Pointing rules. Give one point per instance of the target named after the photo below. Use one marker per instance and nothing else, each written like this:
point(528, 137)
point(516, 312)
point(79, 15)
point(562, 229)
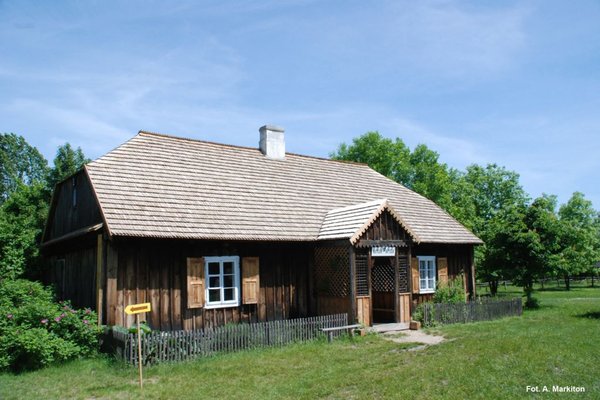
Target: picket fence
point(443, 313)
point(173, 346)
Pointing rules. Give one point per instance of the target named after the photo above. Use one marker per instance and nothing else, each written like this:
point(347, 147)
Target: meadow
point(555, 345)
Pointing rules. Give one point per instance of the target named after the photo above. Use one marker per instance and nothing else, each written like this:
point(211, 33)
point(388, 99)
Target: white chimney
point(272, 143)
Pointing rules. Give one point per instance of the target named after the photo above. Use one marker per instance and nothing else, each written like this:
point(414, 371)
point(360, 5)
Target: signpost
point(137, 309)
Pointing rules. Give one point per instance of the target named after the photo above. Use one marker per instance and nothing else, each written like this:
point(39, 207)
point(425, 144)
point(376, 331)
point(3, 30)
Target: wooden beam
point(352, 285)
point(371, 243)
point(112, 267)
point(100, 278)
point(74, 234)
point(397, 288)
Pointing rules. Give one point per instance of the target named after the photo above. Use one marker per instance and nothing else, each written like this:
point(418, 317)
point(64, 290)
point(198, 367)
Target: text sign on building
point(383, 251)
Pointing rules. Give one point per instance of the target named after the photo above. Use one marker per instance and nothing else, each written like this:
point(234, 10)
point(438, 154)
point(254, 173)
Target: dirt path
point(409, 336)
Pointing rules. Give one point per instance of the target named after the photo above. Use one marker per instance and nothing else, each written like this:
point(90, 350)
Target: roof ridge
point(235, 146)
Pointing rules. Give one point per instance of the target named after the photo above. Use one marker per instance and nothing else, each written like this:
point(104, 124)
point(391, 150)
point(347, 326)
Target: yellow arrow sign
point(137, 308)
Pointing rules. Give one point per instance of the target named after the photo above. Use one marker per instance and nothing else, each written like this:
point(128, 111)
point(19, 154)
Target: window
point(74, 185)
point(426, 274)
point(222, 281)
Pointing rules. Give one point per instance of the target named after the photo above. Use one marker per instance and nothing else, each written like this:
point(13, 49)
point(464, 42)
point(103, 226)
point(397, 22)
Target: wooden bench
point(348, 328)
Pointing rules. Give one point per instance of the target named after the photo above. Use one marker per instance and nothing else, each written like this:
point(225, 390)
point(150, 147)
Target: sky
point(516, 83)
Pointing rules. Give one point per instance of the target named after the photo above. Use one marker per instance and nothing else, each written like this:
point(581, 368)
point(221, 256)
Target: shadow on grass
point(591, 314)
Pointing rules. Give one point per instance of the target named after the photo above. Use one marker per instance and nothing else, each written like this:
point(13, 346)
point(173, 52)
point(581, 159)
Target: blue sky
point(511, 82)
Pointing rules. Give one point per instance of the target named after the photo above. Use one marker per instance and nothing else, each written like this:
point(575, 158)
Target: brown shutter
point(414, 264)
point(442, 267)
point(195, 282)
point(250, 280)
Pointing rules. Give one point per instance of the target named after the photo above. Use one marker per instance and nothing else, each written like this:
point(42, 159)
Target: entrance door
point(382, 289)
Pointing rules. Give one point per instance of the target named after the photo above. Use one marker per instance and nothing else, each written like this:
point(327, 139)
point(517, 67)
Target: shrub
point(452, 292)
point(36, 331)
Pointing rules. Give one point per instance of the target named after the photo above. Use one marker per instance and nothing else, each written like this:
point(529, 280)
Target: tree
point(20, 163)
point(388, 157)
point(492, 193)
point(579, 242)
point(22, 218)
point(420, 170)
point(66, 163)
point(429, 177)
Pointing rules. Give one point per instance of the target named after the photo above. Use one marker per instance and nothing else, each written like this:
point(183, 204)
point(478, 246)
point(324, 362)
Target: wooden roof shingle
point(162, 186)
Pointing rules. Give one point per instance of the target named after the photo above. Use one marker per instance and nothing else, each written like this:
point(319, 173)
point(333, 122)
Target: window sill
point(429, 291)
point(226, 305)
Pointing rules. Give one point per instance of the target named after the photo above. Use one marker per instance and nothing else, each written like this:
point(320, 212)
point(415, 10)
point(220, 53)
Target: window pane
point(228, 267)
point(213, 268)
point(228, 294)
point(213, 282)
point(228, 281)
point(214, 295)
point(423, 284)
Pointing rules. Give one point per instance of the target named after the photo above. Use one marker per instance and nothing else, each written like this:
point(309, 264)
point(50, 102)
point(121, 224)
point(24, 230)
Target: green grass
point(558, 344)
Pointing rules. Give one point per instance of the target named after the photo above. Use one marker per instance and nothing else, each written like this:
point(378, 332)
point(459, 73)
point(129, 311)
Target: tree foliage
point(524, 239)
point(20, 163)
point(579, 246)
point(26, 187)
point(66, 163)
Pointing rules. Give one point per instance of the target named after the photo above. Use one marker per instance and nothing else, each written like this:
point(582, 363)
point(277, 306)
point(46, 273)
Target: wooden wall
point(73, 274)
point(385, 227)
point(155, 271)
point(460, 260)
point(64, 217)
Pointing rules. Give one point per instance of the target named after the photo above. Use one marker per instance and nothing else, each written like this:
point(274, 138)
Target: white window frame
point(236, 282)
point(430, 281)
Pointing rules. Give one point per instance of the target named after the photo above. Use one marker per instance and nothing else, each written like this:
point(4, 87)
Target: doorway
point(383, 289)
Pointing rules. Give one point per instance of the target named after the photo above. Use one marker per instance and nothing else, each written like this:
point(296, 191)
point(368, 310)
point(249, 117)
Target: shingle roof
point(167, 187)
point(352, 221)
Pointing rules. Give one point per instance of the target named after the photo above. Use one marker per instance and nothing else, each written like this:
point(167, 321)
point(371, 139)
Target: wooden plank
point(112, 263)
point(165, 288)
point(176, 300)
point(129, 288)
point(154, 289)
point(250, 280)
point(100, 278)
point(442, 270)
point(352, 266)
point(414, 266)
point(397, 307)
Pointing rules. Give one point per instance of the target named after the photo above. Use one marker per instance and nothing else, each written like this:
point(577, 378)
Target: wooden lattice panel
point(382, 277)
point(332, 271)
point(362, 274)
point(403, 272)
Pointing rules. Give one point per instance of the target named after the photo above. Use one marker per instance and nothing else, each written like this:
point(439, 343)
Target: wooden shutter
point(195, 282)
point(414, 265)
point(442, 267)
point(250, 280)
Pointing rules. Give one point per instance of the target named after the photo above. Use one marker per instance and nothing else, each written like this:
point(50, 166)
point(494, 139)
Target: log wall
point(65, 216)
point(154, 271)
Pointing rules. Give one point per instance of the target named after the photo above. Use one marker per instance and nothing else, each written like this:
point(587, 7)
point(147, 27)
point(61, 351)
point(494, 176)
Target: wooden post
point(137, 319)
point(99, 278)
point(397, 305)
point(352, 285)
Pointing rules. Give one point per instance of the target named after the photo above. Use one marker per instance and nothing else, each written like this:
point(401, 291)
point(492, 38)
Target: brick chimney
point(272, 142)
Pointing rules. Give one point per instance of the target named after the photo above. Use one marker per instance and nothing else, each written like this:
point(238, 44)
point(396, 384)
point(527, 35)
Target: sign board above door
point(383, 251)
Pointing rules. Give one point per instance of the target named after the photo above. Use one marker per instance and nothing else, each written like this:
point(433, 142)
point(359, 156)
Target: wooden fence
point(442, 313)
point(170, 346)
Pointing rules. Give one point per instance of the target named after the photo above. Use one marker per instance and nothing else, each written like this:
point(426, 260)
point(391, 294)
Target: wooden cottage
point(212, 234)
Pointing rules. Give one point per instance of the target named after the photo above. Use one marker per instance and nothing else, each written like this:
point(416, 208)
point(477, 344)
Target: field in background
point(558, 344)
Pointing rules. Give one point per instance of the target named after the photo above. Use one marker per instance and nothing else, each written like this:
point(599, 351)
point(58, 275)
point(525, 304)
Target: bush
point(36, 331)
point(452, 292)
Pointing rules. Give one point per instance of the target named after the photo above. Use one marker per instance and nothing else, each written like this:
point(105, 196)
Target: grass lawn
point(558, 344)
